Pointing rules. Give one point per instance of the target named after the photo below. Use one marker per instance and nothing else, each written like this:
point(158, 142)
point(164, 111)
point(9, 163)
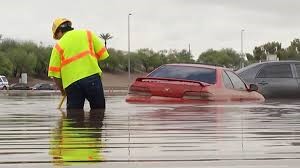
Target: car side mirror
point(253, 87)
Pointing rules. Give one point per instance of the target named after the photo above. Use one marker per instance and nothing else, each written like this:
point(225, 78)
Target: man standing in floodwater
point(74, 65)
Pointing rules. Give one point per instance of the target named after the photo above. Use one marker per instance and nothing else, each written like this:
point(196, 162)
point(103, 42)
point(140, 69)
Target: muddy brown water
point(33, 133)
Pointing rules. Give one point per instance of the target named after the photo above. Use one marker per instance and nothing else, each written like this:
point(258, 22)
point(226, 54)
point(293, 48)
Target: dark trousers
point(89, 88)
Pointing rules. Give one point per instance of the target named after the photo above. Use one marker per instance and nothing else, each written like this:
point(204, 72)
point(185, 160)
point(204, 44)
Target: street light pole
point(129, 78)
point(242, 48)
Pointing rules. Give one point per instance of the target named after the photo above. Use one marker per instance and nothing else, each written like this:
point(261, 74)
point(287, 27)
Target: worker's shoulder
point(74, 34)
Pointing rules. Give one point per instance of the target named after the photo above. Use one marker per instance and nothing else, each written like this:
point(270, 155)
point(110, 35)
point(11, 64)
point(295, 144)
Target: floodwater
point(33, 133)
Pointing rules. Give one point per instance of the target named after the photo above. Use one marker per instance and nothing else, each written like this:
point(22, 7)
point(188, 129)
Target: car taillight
point(202, 95)
point(138, 90)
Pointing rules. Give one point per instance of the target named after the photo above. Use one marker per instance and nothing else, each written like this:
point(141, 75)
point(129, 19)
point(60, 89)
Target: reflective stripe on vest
point(54, 69)
point(89, 35)
point(74, 58)
point(100, 53)
point(60, 51)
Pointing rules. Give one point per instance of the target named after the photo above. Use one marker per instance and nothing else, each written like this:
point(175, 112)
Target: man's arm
point(58, 83)
point(55, 68)
point(99, 48)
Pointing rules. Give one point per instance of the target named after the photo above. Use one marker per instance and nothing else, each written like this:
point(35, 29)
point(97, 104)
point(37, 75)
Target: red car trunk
point(167, 87)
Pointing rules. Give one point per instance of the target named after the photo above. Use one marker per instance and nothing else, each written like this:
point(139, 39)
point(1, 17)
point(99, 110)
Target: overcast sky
point(159, 24)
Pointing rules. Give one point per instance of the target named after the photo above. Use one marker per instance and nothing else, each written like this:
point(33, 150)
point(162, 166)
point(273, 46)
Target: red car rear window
point(206, 75)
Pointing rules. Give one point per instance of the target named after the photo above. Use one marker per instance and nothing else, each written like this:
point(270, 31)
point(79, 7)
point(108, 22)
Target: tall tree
point(105, 37)
point(259, 53)
point(250, 58)
point(6, 66)
point(149, 59)
point(115, 62)
point(23, 58)
point(224, 57)
point(184, 56)
point(43, 57)
point(293, 51)
point(270, 48)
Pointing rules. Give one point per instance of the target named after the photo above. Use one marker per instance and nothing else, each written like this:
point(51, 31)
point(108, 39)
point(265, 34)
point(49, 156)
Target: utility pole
point(129, 78)
point(242, 48)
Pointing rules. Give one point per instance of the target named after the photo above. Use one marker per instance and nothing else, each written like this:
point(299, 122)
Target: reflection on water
point(77, 138)
point(35, 134)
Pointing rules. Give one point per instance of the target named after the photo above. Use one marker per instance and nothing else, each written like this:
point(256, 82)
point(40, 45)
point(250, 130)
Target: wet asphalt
point(33, 133)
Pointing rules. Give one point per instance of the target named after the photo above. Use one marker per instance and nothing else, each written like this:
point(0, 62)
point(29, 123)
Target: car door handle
point(263, 83)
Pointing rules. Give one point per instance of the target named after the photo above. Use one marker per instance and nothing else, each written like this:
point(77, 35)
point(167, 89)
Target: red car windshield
point(206, 75)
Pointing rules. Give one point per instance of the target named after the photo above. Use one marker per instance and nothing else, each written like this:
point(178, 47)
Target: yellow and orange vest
point(75, 56)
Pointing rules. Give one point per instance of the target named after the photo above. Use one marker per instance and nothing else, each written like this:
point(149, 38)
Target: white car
point(3, 83)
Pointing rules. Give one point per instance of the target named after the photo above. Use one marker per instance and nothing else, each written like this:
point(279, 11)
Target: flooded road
point(33, 133)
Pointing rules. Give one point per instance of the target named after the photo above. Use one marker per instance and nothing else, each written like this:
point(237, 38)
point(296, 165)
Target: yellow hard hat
point(56, 23)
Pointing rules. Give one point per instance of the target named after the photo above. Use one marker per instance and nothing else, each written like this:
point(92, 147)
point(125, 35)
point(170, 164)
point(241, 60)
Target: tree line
point(18, 57)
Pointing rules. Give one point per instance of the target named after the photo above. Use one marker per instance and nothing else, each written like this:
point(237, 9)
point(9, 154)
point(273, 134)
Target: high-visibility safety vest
point(75, 56)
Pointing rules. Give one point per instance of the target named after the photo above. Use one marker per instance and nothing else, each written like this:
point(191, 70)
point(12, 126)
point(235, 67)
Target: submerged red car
point(191, 83)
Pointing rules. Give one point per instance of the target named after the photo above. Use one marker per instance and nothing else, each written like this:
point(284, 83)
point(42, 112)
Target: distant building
point(272, 57)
